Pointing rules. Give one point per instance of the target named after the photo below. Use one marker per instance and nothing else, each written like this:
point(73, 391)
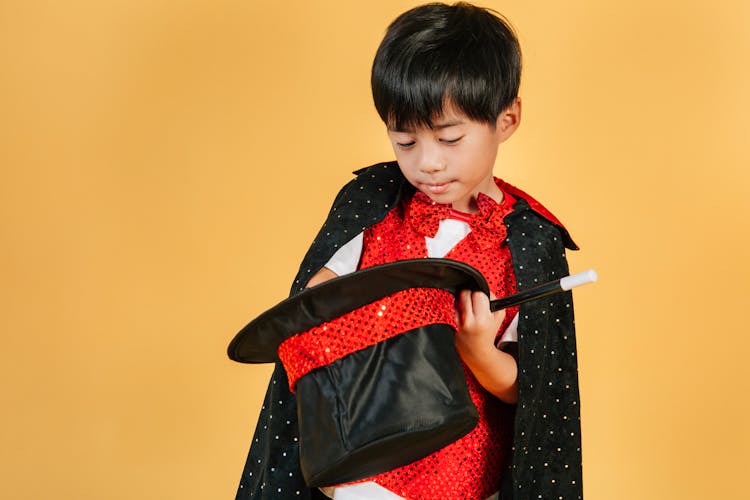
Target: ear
point(508, 120)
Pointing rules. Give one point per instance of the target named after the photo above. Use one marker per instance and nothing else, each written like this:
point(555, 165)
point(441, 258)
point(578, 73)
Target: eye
point(405, 145)
point(451, 141)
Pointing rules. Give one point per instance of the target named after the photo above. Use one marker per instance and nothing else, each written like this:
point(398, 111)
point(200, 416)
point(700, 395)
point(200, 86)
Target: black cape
point(546, 461)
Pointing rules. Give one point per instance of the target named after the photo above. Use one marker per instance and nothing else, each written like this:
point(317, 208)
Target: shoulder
point(380, 177)
point(377, 187)
point(373, 192)
point(527, 208)
point(362, 202)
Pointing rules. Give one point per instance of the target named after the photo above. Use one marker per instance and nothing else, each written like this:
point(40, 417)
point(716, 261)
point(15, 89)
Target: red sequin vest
point(471, 467)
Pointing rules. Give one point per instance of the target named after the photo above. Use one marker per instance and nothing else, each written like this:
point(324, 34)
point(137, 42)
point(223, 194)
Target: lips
point(437, 187)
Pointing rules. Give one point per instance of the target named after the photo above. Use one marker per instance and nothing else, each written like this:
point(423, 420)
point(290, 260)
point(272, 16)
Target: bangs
point(418, 99)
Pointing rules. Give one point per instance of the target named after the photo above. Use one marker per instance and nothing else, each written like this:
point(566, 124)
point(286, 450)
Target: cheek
point(403, 166)
point(405, 162)
point(477, 157)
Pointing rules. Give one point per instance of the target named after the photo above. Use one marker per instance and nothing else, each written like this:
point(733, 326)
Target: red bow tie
point(487, 226)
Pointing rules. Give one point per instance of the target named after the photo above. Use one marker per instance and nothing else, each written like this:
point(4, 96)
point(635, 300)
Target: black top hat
point(259, 340)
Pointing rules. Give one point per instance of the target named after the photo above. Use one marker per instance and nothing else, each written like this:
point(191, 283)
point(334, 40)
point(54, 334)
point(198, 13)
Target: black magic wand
point(561, 285)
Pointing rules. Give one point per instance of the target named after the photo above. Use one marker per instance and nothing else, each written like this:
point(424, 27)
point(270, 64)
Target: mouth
point(436, 187)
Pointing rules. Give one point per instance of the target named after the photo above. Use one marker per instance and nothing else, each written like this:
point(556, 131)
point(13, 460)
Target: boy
point(445, 82)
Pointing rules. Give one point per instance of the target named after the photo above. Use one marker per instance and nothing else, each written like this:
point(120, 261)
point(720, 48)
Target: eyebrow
point(435, 126)
point(451, 123)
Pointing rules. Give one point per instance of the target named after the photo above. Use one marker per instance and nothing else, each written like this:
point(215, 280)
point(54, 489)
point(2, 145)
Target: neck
point(470, 206)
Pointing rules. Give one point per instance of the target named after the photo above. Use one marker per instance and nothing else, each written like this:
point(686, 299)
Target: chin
point(443, 199)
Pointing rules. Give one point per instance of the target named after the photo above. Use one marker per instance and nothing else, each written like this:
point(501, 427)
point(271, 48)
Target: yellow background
point(166, 163)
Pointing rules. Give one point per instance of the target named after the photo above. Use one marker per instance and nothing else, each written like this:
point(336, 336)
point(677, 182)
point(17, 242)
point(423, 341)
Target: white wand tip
point(579, 279)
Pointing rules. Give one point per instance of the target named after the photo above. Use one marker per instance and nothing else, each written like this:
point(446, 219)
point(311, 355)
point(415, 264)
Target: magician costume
point(539, 437)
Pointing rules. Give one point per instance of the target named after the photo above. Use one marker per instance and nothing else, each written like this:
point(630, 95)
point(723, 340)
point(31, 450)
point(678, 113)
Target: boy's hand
point(478, 327)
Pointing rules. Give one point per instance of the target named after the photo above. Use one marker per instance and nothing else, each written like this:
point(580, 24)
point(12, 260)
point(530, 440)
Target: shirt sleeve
point(510, 334)
point(346, 259)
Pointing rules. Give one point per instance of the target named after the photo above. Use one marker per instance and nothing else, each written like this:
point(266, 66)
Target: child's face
point(452, 161)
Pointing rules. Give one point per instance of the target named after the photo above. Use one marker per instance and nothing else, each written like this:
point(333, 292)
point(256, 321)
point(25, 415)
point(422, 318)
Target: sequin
point(561, 413)
point(471, 467)
point(364, 327)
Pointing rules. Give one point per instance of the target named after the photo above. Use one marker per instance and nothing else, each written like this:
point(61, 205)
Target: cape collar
point(394, 173)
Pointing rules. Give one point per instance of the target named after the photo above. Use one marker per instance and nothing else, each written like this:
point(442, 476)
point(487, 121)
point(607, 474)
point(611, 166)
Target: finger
point(499, 315)
point(467, 311)
point(480, 303)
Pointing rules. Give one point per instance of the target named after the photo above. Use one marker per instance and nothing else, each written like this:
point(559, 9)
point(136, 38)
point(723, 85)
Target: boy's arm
point(495, 370)
point(344, 261)
point(323, 275)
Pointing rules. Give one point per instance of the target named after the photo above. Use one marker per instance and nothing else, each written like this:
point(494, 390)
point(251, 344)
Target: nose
point(431, 160)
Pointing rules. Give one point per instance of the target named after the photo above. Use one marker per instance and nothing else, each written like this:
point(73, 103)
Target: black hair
point(438, 53)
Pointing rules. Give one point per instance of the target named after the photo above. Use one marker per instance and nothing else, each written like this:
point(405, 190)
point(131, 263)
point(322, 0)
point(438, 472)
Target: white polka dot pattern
point(546, 452)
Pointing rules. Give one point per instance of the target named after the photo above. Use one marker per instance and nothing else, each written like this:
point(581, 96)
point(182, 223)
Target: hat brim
point(259, 340)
